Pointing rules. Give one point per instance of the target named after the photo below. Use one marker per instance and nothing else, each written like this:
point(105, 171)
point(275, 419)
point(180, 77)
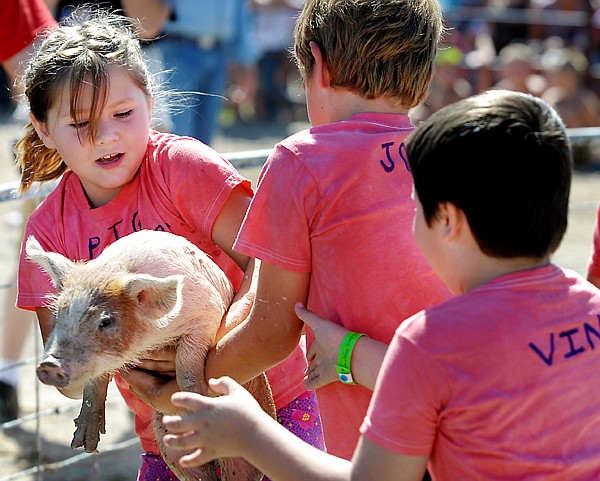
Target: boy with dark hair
point(493, 384)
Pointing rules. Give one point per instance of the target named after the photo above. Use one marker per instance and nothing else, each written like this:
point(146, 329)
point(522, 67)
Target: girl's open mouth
point(109, 159)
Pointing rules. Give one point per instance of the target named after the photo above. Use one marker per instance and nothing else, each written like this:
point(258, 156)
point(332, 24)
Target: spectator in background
point(563, 21)
point(200, 42)
point(275, 66)
point(22, 21)
point(517, 69)
point(447, 86)
point(151, 14)
point(565, 71)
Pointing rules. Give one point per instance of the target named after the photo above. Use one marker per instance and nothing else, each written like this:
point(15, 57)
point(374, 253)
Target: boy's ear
point(42, 132)
point(322, 74)
point(453, 220)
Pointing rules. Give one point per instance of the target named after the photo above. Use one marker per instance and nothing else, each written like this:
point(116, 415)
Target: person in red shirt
point(23, 20)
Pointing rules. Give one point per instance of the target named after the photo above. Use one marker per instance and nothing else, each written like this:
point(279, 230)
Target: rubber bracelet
point(344, 357)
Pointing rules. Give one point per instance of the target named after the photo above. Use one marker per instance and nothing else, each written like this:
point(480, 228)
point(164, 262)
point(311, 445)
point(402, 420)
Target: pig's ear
point(158, 298)
point(55, 265)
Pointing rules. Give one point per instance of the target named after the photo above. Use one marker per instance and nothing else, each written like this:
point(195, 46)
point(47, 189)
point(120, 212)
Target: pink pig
point(145, 291)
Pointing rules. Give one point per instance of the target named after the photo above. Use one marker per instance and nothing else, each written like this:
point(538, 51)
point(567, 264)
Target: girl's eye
point(124, 115)
point(79, 125)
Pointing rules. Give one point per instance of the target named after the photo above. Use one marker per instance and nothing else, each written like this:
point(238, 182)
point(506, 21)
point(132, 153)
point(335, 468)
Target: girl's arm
point(323, 353)
point(234, 425)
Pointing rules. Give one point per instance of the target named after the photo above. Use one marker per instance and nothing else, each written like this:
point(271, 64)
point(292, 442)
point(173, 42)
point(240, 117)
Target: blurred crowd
point(549, 48)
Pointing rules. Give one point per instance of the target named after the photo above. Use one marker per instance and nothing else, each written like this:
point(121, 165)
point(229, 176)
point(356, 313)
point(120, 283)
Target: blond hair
point(375, 48)
point(78, 52)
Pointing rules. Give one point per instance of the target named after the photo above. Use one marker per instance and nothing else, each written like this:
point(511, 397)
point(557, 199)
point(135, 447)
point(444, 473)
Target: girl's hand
point(218, 427)
point(323, 352)
point(153, 380)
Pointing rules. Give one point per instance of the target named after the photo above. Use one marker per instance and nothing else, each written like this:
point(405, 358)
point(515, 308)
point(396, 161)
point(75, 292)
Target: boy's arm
point(269, 334)
point(367, 355)
point(234, 425)
point(371, 461)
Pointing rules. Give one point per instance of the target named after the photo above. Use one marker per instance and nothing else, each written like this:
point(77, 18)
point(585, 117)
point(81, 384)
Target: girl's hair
point(375, 48)
point(80, 51)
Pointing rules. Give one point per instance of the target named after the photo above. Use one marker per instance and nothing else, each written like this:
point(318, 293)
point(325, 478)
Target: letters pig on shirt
point(145, 291)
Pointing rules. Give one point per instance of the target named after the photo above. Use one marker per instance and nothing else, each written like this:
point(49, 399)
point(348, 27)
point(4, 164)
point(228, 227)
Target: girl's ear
point(321, 69)
point(42, 132)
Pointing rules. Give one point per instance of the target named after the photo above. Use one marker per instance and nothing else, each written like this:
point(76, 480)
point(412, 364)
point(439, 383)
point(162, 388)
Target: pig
point(145, 291)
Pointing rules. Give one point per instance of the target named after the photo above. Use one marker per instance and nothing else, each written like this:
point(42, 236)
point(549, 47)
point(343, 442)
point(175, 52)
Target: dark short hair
point(503, 158)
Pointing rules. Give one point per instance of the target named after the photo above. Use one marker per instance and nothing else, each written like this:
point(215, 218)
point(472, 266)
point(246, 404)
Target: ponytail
point(37, 162)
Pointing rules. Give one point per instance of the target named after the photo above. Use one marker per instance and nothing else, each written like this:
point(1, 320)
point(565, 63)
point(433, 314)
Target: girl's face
point(106, 165)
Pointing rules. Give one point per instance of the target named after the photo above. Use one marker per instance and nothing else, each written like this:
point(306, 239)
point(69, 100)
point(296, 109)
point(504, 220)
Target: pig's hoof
point(85, 436)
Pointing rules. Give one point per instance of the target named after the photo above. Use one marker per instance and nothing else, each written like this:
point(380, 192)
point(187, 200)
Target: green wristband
point(344, 357)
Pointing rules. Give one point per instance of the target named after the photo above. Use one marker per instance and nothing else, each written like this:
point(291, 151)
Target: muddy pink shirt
point(180, 187)
point(497, 384)
point(335, 201)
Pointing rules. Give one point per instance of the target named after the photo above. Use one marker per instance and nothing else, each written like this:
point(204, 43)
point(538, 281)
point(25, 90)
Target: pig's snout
point(52, 371)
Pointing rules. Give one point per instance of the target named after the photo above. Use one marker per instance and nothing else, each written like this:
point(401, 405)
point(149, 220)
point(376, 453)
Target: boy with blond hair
point(331, 219)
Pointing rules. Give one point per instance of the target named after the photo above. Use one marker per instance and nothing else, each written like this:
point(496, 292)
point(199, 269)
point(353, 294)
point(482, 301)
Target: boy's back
point(345, 193)
point(504, 374)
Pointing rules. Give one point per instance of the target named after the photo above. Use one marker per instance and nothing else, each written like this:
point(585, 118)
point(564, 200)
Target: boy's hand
point(218, 427)
point(323, 352)
point(153, 380)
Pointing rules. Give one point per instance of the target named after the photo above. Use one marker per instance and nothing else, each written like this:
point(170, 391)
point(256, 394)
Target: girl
point(90, 97)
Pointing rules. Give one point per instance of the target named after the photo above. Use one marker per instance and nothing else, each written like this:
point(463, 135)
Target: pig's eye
point(105, 320)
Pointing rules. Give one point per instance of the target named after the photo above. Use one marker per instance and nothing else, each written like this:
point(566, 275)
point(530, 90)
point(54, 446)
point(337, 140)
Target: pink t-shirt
point(499, 383)
point(180, 187)
point(335, 201)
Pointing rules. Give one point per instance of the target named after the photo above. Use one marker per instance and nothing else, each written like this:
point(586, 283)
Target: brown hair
point(373, 47)
point(80, 53)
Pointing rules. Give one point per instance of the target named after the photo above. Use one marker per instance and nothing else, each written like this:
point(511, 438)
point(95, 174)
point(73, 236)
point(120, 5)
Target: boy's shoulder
point(354, 132)
point(519, 296)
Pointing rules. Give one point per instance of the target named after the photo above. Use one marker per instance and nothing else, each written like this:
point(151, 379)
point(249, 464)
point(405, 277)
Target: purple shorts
point(301, 417)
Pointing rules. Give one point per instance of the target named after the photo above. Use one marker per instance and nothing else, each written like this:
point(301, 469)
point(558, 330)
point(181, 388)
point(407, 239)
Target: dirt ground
point(19, 445)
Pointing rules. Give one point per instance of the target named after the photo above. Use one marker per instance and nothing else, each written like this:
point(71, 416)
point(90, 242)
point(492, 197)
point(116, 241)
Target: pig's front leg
point(91, 420)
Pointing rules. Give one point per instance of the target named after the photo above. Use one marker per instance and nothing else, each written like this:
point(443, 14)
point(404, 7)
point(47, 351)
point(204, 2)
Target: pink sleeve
point(33, 283)
point(22, 20)
point(200, 182)
point(594, 261)
point(277, 226)
point(410, 391)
